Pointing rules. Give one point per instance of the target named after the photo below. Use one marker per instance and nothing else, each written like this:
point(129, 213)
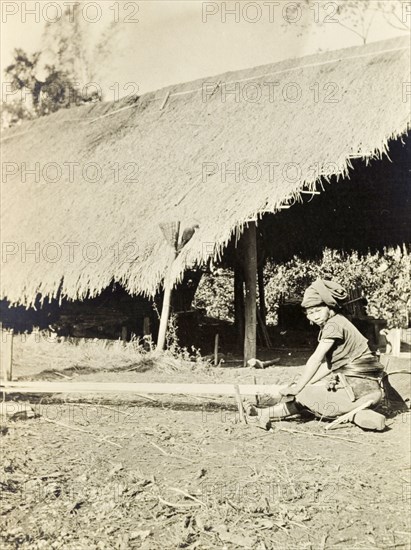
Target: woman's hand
point(290, 390)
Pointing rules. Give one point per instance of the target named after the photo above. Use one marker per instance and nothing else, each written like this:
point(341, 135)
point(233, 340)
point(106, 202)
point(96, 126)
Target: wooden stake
point(7, 353)
point(257, 400)
point(216, 350)
point(250, 277)
point(243, 418)
point(396, 341)
point(124, 334)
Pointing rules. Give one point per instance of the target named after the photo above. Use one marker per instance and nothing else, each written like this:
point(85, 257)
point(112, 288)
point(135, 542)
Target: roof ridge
point(169, 94)
point(166, 90)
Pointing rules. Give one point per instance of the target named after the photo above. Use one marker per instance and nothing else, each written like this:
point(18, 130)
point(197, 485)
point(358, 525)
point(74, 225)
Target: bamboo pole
point(139, 388)
point(250, 277)
point(171, 234)
point(165, 310)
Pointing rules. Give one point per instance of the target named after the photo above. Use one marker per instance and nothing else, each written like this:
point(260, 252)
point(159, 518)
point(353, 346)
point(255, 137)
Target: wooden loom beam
point(139, 387)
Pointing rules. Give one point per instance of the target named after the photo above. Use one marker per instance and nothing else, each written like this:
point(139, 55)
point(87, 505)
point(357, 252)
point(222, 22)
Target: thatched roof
point(170, 146)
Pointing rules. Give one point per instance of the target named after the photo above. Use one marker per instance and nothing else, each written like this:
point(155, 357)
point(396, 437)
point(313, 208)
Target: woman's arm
point(311, 368)
point(322, 371)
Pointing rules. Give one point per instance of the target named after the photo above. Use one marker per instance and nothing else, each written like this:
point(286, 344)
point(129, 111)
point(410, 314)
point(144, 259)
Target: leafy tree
point(37, 97)
point(66, 45)
point(53, 78)
point(14, 112)
point(384, 279)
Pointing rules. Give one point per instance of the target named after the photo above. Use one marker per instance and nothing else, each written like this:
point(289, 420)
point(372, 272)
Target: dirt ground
point(124, 472)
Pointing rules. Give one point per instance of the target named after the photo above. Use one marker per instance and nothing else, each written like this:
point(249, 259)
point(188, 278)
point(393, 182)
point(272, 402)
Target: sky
point(155, 43)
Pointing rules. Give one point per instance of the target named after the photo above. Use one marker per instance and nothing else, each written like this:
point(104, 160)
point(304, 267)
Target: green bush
point(215, 294)
point(384, 278)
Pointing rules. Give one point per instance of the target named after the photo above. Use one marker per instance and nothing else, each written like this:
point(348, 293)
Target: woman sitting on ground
point(340, 375)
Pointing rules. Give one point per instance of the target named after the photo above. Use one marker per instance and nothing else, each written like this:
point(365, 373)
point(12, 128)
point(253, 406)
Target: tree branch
point(404, 26)
point(363, 38)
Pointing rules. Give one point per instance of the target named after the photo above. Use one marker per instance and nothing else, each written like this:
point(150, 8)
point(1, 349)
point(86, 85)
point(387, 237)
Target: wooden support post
point(265, 338)
point(146, 326)
point(239, 302)
point(216, 350)
point(10, 371)
point(7, 353)
point(250, 277)
point(124, 334)
point(261, 292)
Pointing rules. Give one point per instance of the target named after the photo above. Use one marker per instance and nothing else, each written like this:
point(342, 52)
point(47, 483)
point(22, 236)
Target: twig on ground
point(236, 508)
point(290, 481)
point(114, 410)
point(281, 527)
point(175, 505)
point(316, 458)
point(62, 375)
point(319, 435)
point(296, 523)
point(165, 453)
point(193, 396)
point(80, 430)
point(106, 440)
point(147, 397)
point(323, 541)
point(187, 495)
point(210, 398)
